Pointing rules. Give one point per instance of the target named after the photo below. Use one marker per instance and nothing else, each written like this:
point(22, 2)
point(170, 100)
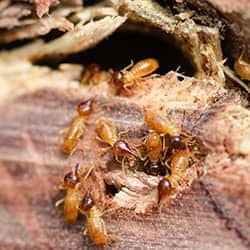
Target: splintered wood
point(133, 159)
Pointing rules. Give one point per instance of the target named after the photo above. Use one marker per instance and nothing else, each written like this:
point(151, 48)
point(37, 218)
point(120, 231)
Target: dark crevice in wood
point(117, 51)
point(111, 190)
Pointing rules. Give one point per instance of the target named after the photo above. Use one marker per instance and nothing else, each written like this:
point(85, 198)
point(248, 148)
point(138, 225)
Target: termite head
point(86, 107)
point(93, 68)
point(122, 148)
point(87, 202)
point(70, 180)
point(164, 189)
point(176, 142)
point(117, 78)
point(90, 72)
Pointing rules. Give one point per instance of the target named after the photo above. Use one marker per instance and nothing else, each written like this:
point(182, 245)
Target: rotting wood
point(29, 133)
point(213, 214)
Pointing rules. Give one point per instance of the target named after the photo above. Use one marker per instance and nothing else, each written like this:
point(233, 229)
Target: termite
point(94, 75)
point(71, 200)
point(132, 73)
point(77, 128)
point(74, 134)
point(179, 164)
point(153, 158)
point(108, 133)
point(160, 124)
point(153, 146)
point(90, 71)
point(96, 227)
point(163, 127)
point(242, 68)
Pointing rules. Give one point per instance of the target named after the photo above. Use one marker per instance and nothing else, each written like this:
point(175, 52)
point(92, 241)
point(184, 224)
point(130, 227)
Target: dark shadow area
point(111, 190)
point(90, 2)
point(53, 34)
point(118, 50)
point(14, 44)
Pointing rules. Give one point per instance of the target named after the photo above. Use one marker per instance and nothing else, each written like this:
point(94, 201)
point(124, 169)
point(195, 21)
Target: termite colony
point(165, 151)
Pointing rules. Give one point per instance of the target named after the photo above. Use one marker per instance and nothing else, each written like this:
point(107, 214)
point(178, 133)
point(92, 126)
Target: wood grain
point(213, 214)
point(32, 167)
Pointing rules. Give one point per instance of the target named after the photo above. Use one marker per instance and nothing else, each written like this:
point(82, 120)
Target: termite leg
point(138, 153)
point(146, 162)
point(117, 158)
point(105, 149)
point(129, 66)
point(163, 143)
point(167, 165)
point(89, 172)
point(99, 139)
point(150, 76)
point(162, 159)
point(85, 232)
point(59, 202)
point(123, 165)
point(123, 132)
point(61, 186)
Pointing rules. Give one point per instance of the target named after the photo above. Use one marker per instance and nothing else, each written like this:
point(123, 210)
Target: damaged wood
point(209, 210)
point(43, 26)
point(42, 6)
point(199, 43)
point(35, 128)
point(82, 37)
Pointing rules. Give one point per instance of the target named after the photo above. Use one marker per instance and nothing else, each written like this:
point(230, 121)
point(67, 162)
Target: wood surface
point(32, 167)
point(213, 214)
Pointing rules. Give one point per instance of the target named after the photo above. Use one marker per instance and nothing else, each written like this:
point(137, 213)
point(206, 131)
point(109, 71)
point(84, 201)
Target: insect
point(177, 142)
point(90, 71)
point(128, 78)
point(178, 166)
point(242, 68)
point(160, 124)
point(94, 75)
point(85, 108)
point(71, 200)
point(77, 128)
point(74, 134)
point(96, 227)
point(108, 133)
point(153, 145)
point(177, 139)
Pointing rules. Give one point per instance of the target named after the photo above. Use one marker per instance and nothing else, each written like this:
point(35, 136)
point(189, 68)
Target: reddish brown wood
point(32, 167)
point(213, 214)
